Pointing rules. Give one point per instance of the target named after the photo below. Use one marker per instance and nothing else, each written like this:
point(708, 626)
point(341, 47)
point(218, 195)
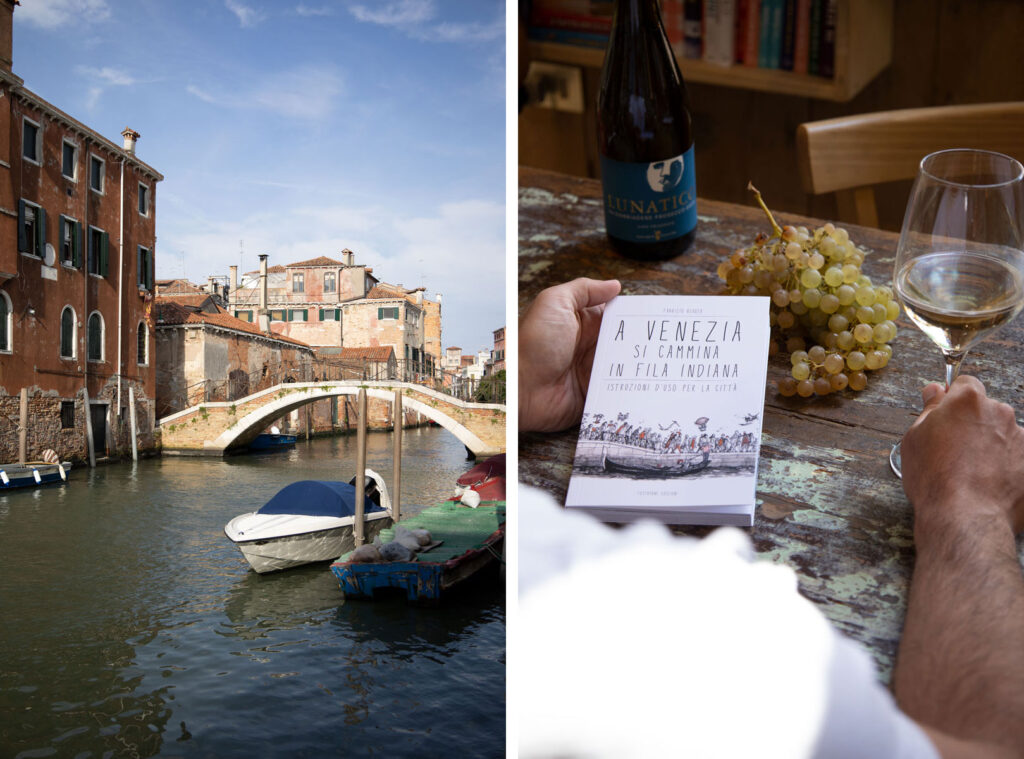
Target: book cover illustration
point(673, 414)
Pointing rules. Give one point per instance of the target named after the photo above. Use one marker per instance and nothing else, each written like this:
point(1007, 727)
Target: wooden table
point(828, 504)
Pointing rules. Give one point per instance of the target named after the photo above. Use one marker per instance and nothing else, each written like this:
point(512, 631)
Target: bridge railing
point(239, 384)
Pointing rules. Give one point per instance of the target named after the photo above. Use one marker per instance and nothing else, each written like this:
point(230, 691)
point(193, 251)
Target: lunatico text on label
point(649, 202)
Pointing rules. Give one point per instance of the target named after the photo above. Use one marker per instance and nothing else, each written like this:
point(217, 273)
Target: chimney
point(348, 257)
point(211, 286)
point(6, 33)
point(130, 138)
point(419, 298)
point(264, 317)
point(234, 280)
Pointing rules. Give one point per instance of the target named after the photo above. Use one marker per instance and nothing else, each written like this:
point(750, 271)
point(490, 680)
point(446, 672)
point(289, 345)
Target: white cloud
point(457, 250)
point(410, 17)
point(57, 13)
point(305, 93)
point(305, 10)
point(247, 16)
point(396, 13)
point(100, 79)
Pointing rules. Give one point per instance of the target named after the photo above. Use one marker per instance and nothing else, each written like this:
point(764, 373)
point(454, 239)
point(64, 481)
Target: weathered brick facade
point(76, 256)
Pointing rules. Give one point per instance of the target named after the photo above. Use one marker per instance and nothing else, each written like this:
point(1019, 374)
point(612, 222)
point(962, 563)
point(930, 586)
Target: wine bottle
point(644, 139)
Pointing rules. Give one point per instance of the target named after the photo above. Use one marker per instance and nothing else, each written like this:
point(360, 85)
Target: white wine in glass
point(960, 260)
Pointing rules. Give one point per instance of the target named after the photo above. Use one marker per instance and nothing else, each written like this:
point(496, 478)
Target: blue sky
point(301, 128)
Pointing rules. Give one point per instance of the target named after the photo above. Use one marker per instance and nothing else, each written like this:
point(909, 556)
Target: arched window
point(68, 333)
point(142, 348)
point(94, 337)
point(6, 323)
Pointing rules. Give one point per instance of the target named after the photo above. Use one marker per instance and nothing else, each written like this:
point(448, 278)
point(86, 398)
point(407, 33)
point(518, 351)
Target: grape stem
point(760, 201)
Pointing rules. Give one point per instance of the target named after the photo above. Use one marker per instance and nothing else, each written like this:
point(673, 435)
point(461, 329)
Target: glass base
point(895, 461)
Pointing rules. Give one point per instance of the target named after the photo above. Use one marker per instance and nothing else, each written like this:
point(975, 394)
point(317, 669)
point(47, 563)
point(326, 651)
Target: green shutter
point(150, 269)
point(140, 266)
point(76, 244)
point(104, 253)
point(40, 232)
point(337, 315)
point(321, 314)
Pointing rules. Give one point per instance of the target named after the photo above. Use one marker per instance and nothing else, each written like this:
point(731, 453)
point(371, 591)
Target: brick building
point(77, 236)
point(331, 304)
point(498, 354)
point(204, 356)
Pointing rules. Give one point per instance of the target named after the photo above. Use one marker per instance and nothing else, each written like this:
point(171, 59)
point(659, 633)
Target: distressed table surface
point(827, 503)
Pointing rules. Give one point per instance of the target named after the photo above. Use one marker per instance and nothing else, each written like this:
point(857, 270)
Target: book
point(801, 43)
point(788, 35)
point(827, 51)
point(719, 31)
point(814, 38)
point(770, 45)
point(671, 428)
point(672, 18)
point(748, 32)
point(693, 44)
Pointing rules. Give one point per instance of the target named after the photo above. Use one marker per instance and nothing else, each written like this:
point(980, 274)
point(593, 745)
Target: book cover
point(764, 29)
point(719, 31)
point(788, 35)
point(801, 42)
point(775, 34)
point(671, 429)
point(672, 18)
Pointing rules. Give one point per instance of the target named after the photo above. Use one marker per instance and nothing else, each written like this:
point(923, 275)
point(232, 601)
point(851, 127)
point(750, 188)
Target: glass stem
point(953, 361)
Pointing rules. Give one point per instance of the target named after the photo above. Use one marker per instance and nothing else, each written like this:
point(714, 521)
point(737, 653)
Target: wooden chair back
point(849, 155)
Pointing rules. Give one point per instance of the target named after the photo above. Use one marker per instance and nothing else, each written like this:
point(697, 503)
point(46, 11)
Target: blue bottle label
point(649, 202)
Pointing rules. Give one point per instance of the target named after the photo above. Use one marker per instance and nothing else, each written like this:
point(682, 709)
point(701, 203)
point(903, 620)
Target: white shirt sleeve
point(635, 642)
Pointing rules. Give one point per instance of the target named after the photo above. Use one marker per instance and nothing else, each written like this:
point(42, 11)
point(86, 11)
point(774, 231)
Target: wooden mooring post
point(131, 416)
point(23, 427)
point(359, 529)
point(88, 430)
point(396, 495)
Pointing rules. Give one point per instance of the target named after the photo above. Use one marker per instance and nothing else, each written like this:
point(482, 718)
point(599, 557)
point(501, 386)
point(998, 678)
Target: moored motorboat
point(33, 474)
point(309, 521)
point(272, 441)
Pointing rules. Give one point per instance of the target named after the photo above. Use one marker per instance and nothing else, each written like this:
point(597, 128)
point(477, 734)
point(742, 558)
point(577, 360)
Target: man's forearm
point(960, 666)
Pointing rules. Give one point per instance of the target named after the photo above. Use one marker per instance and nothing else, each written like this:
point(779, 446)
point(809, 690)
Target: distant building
point(498, 354)
point(452, 360)
point(77, 255)
point(328, 303)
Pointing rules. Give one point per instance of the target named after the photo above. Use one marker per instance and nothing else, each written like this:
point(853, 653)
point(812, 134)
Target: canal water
point(130, 626)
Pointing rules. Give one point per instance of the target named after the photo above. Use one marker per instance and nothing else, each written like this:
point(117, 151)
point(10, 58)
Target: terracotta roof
point(172, 313)
point(457, 348)
point(386, 291)
point(368, 353)
point(189, 300)
point(318, 261)
point(278, 269)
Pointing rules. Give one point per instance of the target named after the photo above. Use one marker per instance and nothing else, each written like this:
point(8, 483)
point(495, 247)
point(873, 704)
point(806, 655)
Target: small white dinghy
point(309, 521)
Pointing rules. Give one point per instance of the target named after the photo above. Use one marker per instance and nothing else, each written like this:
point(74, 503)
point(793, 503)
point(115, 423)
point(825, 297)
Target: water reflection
point(133, 627)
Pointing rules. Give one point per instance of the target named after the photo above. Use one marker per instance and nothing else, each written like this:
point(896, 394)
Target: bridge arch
point(215, 428)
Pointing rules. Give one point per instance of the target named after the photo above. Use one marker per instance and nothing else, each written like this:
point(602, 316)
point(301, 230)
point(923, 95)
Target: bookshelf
point(863, 50)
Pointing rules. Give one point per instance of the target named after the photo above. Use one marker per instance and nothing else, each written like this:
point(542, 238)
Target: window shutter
point(150, 269)
point(305, 314)
point(140, 266)
point(104, 253)
point(76, 244)
point(337, 315)
point(40, 232)
point(321, 314)
point(22, 242)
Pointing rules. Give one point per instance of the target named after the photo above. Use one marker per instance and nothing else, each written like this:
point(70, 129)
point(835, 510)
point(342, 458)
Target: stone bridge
point(215, 428)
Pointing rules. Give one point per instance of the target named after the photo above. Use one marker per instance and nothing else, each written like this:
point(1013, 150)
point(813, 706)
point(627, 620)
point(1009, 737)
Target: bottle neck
point(637, 14)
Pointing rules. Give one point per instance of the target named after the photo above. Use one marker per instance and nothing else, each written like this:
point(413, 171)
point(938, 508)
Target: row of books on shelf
point(788, 35)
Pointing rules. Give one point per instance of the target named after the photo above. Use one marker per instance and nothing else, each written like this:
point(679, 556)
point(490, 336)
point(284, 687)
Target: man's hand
point(557, 336)
point(963, 459)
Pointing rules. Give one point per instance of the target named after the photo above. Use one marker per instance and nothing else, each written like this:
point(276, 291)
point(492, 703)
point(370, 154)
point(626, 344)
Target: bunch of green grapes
point(835, 323)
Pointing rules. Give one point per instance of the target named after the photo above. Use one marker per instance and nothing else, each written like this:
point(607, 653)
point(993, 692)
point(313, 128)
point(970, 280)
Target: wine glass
point(960, 260)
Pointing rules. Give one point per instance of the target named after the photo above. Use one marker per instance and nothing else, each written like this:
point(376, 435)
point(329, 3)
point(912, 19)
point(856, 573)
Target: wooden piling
point(88, 430)
point(23, 427)
point(396, 480)
point(358, 529)
point(131, 416)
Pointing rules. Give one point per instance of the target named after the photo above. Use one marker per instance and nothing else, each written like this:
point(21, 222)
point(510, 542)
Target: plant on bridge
point(491, 389)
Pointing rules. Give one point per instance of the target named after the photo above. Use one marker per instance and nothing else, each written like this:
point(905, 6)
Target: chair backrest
point(848, 155)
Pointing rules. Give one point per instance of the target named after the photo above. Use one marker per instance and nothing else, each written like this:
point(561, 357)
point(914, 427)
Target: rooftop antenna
point(183, 276)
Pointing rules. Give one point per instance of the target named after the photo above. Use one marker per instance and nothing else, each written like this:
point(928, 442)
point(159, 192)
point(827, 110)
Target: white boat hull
point(284, 552)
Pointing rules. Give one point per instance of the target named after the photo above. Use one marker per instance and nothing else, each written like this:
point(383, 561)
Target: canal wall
point(57, 422)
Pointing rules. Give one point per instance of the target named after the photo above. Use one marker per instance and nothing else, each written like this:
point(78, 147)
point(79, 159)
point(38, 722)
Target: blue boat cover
point(318, 498)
